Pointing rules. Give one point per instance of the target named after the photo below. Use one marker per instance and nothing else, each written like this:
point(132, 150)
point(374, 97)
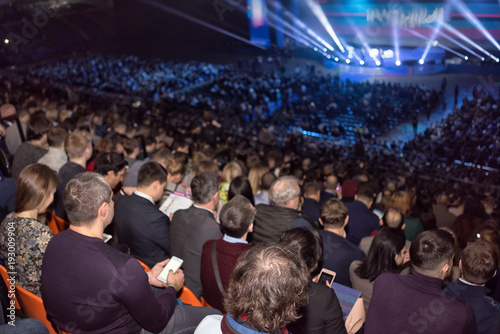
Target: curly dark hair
point(268, 285)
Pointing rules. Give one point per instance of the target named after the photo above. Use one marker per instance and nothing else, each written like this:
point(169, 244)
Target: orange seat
point(146, 267)
point(187, 296)
point(32, 306)
point(5, 276)
point(55, 223)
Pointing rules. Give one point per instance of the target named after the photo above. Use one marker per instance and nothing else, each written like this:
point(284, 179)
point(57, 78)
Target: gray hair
point(283, 189)
point(83, 196)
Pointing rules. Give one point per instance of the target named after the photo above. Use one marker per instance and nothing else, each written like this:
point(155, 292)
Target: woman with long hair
point(386, 254)
point(36, 186)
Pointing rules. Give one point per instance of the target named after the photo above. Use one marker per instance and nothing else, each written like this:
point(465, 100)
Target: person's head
point(56, 136)
point(442, 199)
point(431, 253)
point(428, 221)
point(254, 176)
point(78, 144)
point(113, 167)
point(311, 190)
point(489, 232)
point(490, 204)
point(36, 185)
point(152, 179)
point(175, 170)
point(365, 193)
point(236, 217)
point(386, 253)
point(241, 186)
point(331, 182)
point(267, 180)
point(479, 262)
point(208, 166)
point(205, 188)
point(307, 242)
point(130, 147)
point(268, 285)
point(401, 202)
point(285, 192)
point(393, 218)
point(333, 214)
point(7, 110)
point(87, 198)
point(231, 171)
point(198, 157)
point(37, 127)
point(161, 156)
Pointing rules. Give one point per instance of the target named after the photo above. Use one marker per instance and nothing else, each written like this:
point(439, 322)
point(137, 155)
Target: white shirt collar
point(145, 196)
point(234, 240)
point(468, 283)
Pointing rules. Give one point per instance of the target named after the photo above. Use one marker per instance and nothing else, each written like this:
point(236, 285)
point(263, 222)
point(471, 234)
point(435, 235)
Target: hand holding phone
point(326, 277)
point(174, 264)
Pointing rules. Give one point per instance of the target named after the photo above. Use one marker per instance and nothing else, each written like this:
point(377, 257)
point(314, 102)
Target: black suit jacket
point(143, 228)
point(191, 228)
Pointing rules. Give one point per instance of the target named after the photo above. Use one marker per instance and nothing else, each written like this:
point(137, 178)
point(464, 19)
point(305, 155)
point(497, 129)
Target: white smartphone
point(174, 264)
point(326, 276)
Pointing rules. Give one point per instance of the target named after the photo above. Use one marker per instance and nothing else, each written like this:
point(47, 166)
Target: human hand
point(2, 131)
point(154, 272)
point(175, 279)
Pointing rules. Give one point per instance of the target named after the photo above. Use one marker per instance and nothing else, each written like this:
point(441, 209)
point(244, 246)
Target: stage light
point(336, 58)
point(440, 45)
point(421, 61)
point(459, 44)
point(466, 58)
point(473, 19)
point(374, 53)
point(320, 14)
point(497, 60)
point(361, 62)
point(315, 49)
point(325, 49)
point(348, 61)
point(395, 33)
point(329, 57)
point(467, 39)
point(6, 41)
point(398, 63)
point(482, 58)
point(435, 43)
point(388, 54)
point(378, 63)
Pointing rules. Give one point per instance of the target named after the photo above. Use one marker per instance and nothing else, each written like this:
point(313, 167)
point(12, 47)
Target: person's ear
point(346, 221)
point(321, 222)
point(445, 270)
point(381, 222)
point(250, 228)
point(403, 227)
point(460, 264)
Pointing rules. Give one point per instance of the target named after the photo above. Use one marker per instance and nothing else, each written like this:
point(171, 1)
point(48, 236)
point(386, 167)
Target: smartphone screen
point(325, 277)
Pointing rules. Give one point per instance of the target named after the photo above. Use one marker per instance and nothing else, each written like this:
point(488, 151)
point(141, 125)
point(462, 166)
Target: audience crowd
point(269, 207)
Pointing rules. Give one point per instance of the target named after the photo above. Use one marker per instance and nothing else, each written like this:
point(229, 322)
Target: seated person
point(323, 313)
point(36, 186)
point(236, 220)
point(267, 288)
point(139, 225)
point(386, 254)
point(90, 287)
point(338, 252)
point(477, 266)
point(415, 303)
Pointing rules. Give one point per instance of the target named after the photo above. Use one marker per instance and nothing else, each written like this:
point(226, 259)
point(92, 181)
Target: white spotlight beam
point(439, 45)
point(395, 33)
point(467, 39)
point(431, 41)
point(200, 22)
point(473, 19)
point(320, 14)
point(460, 44)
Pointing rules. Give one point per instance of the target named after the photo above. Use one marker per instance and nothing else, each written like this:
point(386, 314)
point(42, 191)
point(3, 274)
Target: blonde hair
point(401, 201)
point(231, 171)
point(254, 176)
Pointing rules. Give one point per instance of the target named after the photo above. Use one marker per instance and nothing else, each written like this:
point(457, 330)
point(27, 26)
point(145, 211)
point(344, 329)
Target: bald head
point(331, 182)
point(7, 110)
point(442, 199)
point(393, 218)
